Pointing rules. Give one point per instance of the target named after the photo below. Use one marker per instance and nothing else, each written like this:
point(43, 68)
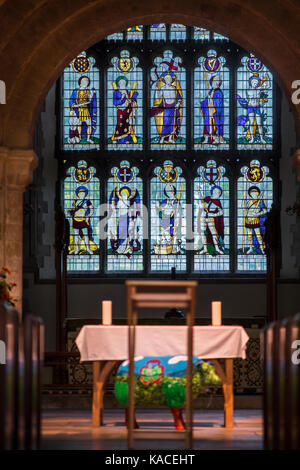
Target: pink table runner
point(99, 343)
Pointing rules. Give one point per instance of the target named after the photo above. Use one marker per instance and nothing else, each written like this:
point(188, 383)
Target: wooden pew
point(9, 376)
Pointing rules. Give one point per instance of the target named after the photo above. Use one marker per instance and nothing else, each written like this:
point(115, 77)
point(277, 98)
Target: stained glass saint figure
point(255, 197)
point(168, 103)
point(211, 222)
point(81, 104)
point(124, 103)
point(125, 223)
point(254, 97)
point(211, 103)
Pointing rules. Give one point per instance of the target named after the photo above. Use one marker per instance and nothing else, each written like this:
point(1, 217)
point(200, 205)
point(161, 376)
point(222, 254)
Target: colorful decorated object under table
point(162, 381)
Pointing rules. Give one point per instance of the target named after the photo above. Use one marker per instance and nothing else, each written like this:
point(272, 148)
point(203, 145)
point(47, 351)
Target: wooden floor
point(71, 429)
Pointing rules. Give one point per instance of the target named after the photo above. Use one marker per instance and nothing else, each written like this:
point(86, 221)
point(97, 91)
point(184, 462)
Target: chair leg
point(136, 426)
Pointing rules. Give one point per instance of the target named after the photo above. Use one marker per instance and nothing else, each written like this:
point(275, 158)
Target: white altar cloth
point(100, 343)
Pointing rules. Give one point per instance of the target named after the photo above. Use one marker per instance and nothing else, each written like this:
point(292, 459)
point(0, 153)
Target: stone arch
point(40, 38)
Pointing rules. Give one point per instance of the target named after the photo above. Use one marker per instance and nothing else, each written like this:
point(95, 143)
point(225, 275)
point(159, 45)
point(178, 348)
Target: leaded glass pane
point(125, 104)
point(177, 32)
point(81, 104)
point(168, 219)
point(201, 34)
point(254, 105)
point(81, 206)
point(219, 37)
point(211, 219)
point(254, 200)
point(135, 33)
point(168, 98)
point(211, 103)
point(158, 32)
point(125, 219)
point(115, 37)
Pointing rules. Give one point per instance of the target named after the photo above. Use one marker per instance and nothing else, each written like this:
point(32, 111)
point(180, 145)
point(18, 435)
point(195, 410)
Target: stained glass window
point(135, 33)
point(211, 103)
point(219, 37)
point(81, 206)
point(201, 34)
point(125, 219)
point(81, 104)
point(168, 218)
point(115, 37)
point(211, 219)
point(177, 32)
point(168, 103)
point(125, 104)
point(158, 32)
point(254, 105)
point(254, 200)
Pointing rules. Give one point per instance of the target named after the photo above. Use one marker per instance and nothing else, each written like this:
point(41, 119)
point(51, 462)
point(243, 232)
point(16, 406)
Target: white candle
point(106, 312)
point(216, 313)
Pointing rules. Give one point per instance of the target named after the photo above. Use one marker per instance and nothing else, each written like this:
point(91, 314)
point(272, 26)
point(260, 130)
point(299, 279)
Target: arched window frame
point(189, 159)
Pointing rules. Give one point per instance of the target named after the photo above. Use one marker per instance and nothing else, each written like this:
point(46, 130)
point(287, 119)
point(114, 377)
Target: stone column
point(16, 170)
point(296, 162)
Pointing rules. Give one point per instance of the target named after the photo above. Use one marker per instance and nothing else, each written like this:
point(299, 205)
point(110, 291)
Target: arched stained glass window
point(168, 103)
point(81, 111)
point(177, 32)
point(211, 219)
point(167, 218)
point(170, 128)
point(81, 206)
point(125, 219)
point(254, 105)
point(254, 200)
point(125, 104)
point(158, 32)
point(211, 103)
point(201, 34)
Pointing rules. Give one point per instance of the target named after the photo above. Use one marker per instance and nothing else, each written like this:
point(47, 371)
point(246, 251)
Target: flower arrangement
point(6, 287)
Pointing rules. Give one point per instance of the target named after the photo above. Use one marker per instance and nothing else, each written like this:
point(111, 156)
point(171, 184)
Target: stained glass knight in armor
point(255, 212)
point(83, 112)
point(126, 104)
point(211, 222)
point(81, 237)
point(168, 102)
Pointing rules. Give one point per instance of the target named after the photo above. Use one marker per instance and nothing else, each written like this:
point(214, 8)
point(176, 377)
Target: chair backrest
point(9, 378)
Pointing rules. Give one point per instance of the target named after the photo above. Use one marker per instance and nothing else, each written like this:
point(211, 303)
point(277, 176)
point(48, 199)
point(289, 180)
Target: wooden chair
point(161, 294)
point(9, 380)
point(33, 355)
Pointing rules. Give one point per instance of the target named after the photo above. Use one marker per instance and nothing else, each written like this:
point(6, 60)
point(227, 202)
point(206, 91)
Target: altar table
point(107, 346)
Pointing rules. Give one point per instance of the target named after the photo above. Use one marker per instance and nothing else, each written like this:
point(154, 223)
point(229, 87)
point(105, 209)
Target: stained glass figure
point(201, 34)
point(211, 103)
point(177, 32)
point(115, 37)
point(255, 197)
point(220, 37)
point(211, 219)
point(81, 206)
point(254, 105)
point(81, 104)
point(168, 89)
point(135, 33)
point(125, 103)
point(158, 32)
point(125, 222)
point(168, 221)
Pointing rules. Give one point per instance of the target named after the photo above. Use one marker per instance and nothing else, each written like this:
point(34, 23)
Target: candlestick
point(106, 312)
point(216, 313)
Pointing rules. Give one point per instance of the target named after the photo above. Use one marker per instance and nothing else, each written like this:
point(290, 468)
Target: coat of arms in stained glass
point(125, 104)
